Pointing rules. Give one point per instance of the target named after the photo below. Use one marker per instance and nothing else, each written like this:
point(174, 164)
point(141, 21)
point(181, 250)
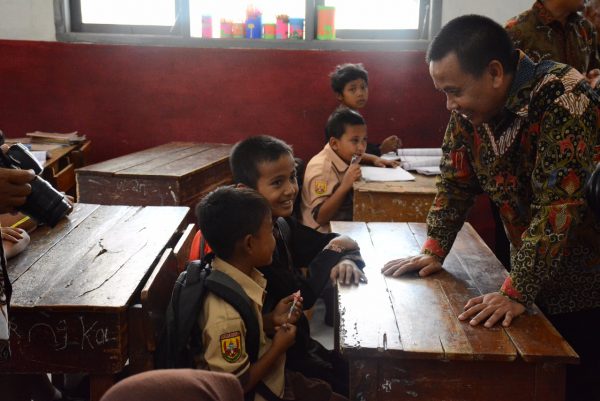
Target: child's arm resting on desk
point(14, 240)
point(378, 161)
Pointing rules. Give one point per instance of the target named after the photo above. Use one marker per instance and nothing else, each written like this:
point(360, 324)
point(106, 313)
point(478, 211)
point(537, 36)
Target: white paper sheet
point(419, 152)
point(385, 174)
point(429, 170)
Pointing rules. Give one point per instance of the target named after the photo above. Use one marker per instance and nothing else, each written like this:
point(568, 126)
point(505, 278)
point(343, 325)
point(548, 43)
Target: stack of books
point(70, 138)
point(422, 160)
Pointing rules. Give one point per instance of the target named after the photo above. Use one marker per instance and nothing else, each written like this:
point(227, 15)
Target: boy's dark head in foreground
point(339, 120)
point(267, 164)
point(345, 73)
point(227, 215)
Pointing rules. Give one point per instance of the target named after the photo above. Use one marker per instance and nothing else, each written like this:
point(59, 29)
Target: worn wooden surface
point(177, 173)
point(74, 284)
point(394, 201)
point(406, 331)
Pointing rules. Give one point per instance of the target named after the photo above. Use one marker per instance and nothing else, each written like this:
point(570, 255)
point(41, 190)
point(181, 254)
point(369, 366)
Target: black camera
point(44, 204)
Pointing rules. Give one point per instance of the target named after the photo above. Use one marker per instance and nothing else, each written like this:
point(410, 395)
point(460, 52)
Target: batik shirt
point(542, 37)
point(533, 163)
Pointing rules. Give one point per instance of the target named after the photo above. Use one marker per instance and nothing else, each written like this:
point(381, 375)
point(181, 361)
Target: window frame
point(179, 35)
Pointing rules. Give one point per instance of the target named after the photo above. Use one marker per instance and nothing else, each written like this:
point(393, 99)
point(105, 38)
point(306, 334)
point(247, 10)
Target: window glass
point(375, 14)
point(234, 11)
point(128, 12)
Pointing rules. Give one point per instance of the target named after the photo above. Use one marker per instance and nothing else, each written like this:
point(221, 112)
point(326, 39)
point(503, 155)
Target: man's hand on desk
point(346, 272)
point(425, 264)
point(491, 308)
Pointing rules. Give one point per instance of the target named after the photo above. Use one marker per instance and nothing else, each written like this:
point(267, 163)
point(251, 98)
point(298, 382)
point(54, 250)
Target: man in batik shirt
point(554, 30)
point(525, 134)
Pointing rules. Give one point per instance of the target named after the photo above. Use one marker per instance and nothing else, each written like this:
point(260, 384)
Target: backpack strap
point(229, 290)
point(286, 235)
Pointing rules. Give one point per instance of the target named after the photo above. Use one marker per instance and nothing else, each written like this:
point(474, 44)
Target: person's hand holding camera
point(14, 188)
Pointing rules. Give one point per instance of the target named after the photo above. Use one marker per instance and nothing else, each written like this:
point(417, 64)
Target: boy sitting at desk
point(328, 179)
point(239, 226)
point(350, 82)
point(266, 164)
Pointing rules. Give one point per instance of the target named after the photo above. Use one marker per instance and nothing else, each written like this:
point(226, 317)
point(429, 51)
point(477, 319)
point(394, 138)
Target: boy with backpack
point(266, 164)
point(238, 225)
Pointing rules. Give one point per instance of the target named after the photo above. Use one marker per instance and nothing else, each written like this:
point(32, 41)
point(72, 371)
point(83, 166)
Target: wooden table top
point(95, 258)
point(413, 317)
point(423, 184)
point(174, 159)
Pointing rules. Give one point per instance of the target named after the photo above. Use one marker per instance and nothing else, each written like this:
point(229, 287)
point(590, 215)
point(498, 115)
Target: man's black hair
point(246, 155)
point(345, 73)
point(339, 120)
point(227, 214)
point(476, 40)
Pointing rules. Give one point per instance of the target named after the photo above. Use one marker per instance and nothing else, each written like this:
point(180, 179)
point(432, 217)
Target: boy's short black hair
point(339, 119)
point(345, 73)
point(476, 40)
point(246, 155)
point(227, 214)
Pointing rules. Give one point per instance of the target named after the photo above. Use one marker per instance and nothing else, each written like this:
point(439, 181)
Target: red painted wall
point(127, 98)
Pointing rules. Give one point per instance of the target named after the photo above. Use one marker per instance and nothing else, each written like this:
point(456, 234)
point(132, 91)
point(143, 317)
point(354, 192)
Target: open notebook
point(370, 173)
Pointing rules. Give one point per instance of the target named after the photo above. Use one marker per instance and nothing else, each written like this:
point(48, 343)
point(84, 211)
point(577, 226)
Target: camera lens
point(45, 204)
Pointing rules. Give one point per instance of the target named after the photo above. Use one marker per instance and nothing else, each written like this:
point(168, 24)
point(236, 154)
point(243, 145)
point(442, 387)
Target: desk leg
point(99, 384)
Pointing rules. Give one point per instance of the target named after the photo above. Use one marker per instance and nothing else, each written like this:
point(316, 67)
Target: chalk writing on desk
point(59, 335)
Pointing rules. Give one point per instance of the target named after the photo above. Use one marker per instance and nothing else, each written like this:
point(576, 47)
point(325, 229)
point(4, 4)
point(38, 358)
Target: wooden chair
point(183, 246)
point(147, 318)
point(80, 157)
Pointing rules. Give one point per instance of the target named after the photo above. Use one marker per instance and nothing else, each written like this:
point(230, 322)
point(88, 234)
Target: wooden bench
point(394, 201)
point(404, 341)
point(177, 173)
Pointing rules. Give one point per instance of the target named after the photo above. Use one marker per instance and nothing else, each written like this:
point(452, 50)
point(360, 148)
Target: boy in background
point(329, 176)
point(350, 82)
point(238, 225)
point(266, 164)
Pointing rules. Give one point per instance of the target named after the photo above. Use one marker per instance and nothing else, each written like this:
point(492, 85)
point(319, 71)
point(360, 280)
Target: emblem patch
point(320, 187)
point(231, 346)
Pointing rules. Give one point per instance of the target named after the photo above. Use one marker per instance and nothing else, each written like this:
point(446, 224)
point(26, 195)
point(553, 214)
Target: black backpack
point(180, 345)
point(181, 340)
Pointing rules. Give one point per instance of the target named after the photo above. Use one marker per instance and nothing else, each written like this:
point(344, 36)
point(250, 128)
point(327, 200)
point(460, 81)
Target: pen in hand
point(355, 159)
point(293, 307)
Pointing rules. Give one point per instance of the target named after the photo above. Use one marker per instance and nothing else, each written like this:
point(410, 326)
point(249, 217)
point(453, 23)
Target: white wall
point(499, 11)
point(34, 19)
point(27, 19)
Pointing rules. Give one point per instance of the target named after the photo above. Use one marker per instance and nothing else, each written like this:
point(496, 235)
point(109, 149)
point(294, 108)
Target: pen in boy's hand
point(293, 307)
point(355, 159)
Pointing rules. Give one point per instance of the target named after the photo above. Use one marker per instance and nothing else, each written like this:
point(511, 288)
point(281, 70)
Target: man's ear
point(339, 97)
point(496, 71)
point(248, 243)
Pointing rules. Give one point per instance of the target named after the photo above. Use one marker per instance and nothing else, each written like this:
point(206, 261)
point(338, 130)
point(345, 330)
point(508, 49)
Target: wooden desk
point(177, 173)
point(404, 341)
point(74, 284)
point(394, 201)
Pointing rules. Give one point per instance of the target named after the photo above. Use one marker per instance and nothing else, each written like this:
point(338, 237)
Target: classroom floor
point(318, 329)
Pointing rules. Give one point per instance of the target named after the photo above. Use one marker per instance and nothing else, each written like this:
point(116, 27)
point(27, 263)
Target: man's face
point(476, 99)
point(355, 94)
point(277, 183)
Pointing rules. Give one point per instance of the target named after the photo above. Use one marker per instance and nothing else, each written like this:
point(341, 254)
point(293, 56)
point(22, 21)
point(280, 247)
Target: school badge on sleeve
point(320, 187)
point(231, 346)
